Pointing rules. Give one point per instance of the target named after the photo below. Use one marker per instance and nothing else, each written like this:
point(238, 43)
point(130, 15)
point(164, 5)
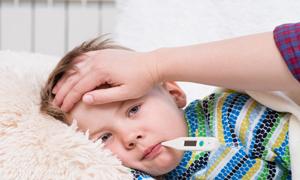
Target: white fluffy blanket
point(36, 146)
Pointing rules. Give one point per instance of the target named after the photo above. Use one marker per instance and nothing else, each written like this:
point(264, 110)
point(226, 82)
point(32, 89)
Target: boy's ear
point(176, 92)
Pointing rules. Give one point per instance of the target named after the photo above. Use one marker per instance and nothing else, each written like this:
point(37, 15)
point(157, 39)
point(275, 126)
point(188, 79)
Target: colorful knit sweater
point(254, 140)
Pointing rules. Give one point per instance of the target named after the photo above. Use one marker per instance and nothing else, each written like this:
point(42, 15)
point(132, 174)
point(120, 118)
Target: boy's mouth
point(152, 151)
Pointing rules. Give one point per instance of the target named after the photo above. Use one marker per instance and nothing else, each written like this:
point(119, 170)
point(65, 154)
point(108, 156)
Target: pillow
point(35, 145)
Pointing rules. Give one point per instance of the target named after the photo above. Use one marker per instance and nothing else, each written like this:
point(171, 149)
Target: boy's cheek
point(128, 159)
point(119, 152)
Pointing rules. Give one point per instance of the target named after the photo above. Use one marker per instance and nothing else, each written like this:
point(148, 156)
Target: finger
point(63, 79)
point(68, 81)
point(65, 88)
point(89, 82)
point(59, 84)
point(107, 95)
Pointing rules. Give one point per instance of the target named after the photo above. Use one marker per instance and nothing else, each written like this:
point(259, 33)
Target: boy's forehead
point(85, 114)
point(86, 55)
point(81, 108)
point(101, 107)
point(79, 58)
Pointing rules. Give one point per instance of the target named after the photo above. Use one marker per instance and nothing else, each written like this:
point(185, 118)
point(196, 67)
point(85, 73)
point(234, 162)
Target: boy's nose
point(131, 140)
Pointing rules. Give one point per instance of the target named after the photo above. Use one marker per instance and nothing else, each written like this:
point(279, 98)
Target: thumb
point(107, 95)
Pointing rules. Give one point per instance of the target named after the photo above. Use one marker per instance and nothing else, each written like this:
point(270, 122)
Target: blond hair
point(65, 65)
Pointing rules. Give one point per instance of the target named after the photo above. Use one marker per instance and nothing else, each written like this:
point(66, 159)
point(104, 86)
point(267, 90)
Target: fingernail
point(88, 98)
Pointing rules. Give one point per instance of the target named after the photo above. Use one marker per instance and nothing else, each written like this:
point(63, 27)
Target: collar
point(193, 161)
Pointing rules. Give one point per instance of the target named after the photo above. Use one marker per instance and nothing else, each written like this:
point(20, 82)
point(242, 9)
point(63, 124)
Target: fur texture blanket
point(34, 145)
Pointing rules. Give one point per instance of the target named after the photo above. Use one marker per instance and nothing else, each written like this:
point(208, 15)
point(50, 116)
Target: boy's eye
point(105, 137)
point(133, 110)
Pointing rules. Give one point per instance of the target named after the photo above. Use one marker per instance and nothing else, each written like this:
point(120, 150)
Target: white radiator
point(53, 26)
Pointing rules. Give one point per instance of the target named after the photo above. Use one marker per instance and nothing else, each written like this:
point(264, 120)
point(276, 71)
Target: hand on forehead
point(105, 67)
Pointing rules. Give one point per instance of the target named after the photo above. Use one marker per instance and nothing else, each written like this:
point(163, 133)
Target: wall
point(53, 26)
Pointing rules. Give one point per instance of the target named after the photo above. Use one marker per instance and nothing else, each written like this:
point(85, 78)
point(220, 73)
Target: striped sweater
point(254, 140)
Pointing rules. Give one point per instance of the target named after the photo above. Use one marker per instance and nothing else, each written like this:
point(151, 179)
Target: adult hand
point(124, 74)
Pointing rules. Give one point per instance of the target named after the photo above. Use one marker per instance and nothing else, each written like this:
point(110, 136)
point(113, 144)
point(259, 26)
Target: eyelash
point(100, 137)
point(130, 110)
point(135, 109)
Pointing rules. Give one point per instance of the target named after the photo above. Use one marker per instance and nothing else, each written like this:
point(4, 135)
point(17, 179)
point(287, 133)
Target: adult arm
point(250, 62)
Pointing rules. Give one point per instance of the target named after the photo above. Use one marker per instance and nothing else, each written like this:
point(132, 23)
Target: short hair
point(65, 65)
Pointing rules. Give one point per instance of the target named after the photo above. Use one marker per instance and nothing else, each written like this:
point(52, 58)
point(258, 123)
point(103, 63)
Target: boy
point(253, 138)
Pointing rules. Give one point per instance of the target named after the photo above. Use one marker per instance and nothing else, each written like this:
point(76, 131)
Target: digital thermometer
point(193, 143)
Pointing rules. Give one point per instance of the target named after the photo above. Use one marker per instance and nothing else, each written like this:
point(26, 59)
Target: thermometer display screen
point(190, 143)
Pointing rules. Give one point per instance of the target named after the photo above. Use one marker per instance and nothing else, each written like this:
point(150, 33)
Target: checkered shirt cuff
point(287, 39)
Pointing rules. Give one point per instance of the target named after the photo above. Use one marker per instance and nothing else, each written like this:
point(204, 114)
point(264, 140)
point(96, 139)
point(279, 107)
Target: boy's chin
point(166, 163)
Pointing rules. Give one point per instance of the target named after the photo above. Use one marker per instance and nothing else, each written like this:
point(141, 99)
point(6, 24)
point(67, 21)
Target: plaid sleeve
point(287, 39)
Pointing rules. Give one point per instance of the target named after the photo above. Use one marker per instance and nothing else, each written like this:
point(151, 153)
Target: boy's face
point(134, 129)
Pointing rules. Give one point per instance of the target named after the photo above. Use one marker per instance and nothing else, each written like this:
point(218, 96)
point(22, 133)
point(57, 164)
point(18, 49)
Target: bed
point(36, 146)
